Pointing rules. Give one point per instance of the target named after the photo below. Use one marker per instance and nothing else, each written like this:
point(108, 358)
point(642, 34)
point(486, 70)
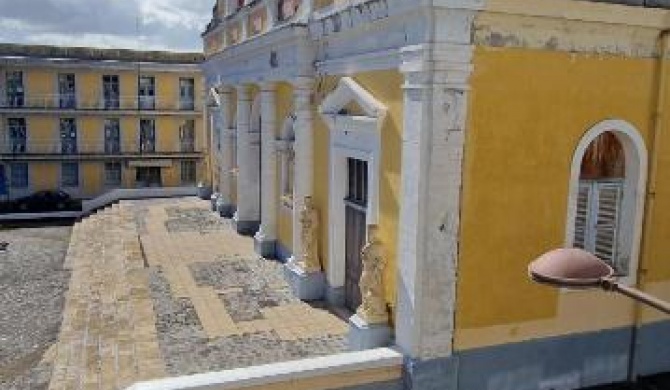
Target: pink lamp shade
point(569, 267)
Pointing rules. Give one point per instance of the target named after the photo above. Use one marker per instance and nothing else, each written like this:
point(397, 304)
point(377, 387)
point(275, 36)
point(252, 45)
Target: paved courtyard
point(165, 287)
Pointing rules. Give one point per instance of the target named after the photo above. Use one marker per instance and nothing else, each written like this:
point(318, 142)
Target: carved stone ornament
point(309, 222)
point(373, 306)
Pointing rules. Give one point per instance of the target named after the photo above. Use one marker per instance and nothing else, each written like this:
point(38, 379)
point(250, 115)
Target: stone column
point(307, 284)
point(435, 99)
point(304, 158)
point(266, 237)
point(226, 207)
point(246, 220)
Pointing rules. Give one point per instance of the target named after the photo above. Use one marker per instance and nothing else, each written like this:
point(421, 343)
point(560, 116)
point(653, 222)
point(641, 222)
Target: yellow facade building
point(87, 120)
point(476, 135)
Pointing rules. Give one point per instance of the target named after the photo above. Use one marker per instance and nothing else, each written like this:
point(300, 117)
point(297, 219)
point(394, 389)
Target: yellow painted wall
point(128, 88)
point(92, 178)
point(172, 176)
point(386, 87)
point(90, 132)
point(321, 173)
point(528, 110)
point(41, 129)
point(284, 101)
point(89, 88)
point(39, 82)
point(44, 176)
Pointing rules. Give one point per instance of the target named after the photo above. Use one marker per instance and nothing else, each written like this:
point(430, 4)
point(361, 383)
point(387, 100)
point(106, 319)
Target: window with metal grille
point(599, 201)
point(17, 134)
point(67, 90)
point(187, 136)
point(147, 136)
point(147, 93)
point(18, 175)
point(14, 88)
point(68, 136)
point(111, 91)
point(113, 173)
point(70, 174)
point(188, 172)
point(112, 136)
point(186, 93)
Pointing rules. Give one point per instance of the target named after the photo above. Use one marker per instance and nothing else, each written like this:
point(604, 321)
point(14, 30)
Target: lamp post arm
point(611, 285)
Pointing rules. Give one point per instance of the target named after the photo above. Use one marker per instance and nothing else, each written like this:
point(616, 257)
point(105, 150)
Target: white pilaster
point(435, 99)
point(246, 215)
point(267, 234)
point(304, 157)
point(227, 138)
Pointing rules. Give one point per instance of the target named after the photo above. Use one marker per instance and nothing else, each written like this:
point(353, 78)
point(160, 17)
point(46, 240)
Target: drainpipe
point(652, 170)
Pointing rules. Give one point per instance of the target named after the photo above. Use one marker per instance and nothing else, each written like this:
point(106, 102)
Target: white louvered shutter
point(606, 226)
point(581, 237)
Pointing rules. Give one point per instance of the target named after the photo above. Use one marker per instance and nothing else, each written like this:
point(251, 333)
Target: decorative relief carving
point(373, 306)
point(352, 17)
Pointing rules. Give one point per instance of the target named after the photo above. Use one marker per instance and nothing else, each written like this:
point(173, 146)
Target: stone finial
point(373, 306)
point(309, 222)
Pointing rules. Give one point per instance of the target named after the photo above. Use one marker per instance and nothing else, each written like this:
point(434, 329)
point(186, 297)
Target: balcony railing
point(95, 148)
point(124, 103)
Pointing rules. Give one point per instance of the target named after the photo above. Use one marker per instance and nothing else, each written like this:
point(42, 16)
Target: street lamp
point(576, 268)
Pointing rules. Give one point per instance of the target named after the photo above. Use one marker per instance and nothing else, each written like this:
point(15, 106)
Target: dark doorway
point(148, 177)
point(356, 203)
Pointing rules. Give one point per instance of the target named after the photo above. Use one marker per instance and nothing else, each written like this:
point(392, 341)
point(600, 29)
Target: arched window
point(607, 194)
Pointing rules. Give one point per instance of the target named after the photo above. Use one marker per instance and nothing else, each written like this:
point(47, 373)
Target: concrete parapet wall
point(355, 370)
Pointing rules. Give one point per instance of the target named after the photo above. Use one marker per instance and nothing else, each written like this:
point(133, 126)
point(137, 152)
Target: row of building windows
point(111, 92)
point(113, 174)
point(18, 135)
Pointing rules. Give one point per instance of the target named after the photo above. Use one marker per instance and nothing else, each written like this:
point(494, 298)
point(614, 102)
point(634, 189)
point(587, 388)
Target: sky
point(128, 24)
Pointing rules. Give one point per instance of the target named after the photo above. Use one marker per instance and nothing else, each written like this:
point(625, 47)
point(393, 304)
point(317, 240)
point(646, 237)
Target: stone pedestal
point(245, 228)
point(265, 247)
point(335, 296)
point(367, 336)
point(204, 191)
point(307, 286)
point(224, 210)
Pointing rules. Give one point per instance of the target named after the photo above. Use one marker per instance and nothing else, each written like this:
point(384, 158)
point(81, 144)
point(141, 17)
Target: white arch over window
point(634, 189)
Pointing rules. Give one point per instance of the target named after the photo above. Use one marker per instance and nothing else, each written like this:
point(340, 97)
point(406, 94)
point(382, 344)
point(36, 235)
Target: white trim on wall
point(636, 160)
point(352, 136)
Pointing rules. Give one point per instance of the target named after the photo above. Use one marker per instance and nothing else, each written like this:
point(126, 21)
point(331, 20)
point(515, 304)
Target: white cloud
point(131, 24)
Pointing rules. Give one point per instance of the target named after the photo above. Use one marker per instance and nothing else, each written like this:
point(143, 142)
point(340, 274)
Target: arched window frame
point(632, 208)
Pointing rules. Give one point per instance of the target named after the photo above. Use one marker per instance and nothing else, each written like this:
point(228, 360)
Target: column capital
point(223, 89)
point(268, 86)
point(243, 91)
point(430, 64)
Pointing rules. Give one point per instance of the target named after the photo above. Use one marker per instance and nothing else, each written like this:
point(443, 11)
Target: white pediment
point(347, 92)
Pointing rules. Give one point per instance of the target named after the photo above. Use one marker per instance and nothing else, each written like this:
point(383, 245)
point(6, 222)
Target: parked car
point(46, 201)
